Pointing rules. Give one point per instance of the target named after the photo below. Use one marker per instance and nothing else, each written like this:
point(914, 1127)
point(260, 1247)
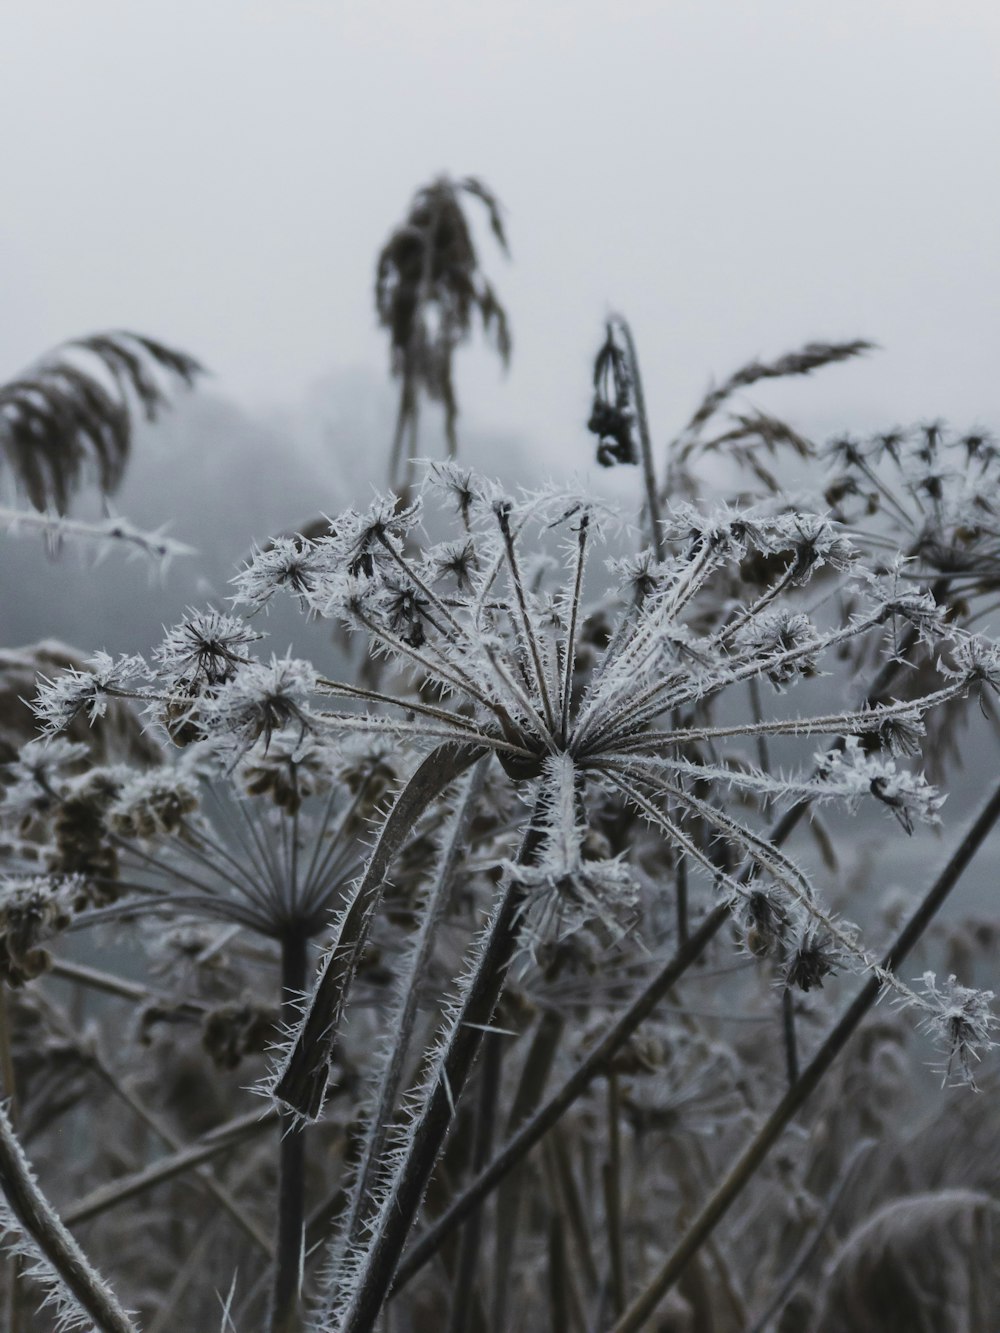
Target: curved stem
point(39, 1220)
point(646, 444)
point(301, 1084)
point(404, 1016)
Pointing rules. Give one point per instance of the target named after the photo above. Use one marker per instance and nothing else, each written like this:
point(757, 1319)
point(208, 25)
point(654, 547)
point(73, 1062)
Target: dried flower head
point(496, 666)
point(32, 910)
point(204, 650)
point(960, 1021)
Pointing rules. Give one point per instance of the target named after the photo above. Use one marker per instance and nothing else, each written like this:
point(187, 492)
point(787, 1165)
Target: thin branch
point(42, 1224)
point(541, 1122)
point(175, 1164)
point(289, 1239)
point(746, 1166)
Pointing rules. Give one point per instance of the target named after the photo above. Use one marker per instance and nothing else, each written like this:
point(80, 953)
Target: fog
point(736, 179)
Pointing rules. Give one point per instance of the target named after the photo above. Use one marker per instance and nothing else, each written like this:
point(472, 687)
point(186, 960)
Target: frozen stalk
point(80, 1297)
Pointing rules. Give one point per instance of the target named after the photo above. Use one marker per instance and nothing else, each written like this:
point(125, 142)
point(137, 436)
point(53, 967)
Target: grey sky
point(736, 177)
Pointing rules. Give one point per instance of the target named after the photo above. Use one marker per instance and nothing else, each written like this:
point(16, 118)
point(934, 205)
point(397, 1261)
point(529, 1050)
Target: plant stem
point(585, 1073)
point(301, 1084)
point(613, 1198)
point(166, 1168)
point(9, 1083)
point(745, 1168)
point(646, 445)
point(788, 1030)
point(682, 908)
point(124, 989)
point(7, 1058)
point(405, 1013)
point(573, 1208)
point(534, 1073)
point(284, 1313)
point(468, 1253)
point(38, 1218)
point(434, 1119)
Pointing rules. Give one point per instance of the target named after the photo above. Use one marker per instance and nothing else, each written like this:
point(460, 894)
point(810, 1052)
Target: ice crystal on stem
point(960, 1022)
point(206, 648)
point(260, 699)
point(289, 563)
point(60, 701)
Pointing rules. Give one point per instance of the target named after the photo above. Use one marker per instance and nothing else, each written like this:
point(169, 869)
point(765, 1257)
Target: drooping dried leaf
point(72, 413)
point(428, 288)
point(813, 356)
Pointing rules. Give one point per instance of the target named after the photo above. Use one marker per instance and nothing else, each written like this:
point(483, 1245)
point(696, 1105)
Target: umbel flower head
point(506, 662)
point(503, 659)
point(498, 658)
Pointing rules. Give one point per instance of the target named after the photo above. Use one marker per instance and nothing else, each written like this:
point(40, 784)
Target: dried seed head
point(31, 911)
point(816, 958)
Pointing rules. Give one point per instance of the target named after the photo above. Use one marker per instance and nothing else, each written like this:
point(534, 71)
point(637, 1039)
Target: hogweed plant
point(569, 786)
point(502, 666)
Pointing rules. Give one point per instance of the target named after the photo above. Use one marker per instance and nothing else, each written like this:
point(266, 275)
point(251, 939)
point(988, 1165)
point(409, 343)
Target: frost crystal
point(292, 564)
point(59, 702)
point(206, 648)
point(261, 699)
point(960, 1021)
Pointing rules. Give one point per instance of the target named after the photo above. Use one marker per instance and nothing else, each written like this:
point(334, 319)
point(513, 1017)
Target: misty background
point(736, 179)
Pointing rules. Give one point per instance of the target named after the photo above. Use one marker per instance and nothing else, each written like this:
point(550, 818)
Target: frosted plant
point(504, 667)
point(960, 1021)
point(497, 659)
point(62, 700)
point(205, 649)
point(70, 418)
point(103, 536)
point(264, 842)
point(32, 909)
point(589, 768)
point(498, 655)
point(267, 840)
point(934, 493)
point(930, 494)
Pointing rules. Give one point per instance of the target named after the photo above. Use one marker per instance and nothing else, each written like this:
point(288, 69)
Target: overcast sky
point(736, 177)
